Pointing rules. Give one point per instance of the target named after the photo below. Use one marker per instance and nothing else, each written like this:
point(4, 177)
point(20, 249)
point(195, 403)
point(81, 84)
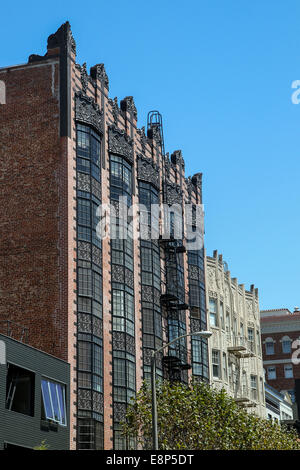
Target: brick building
point(66, 147)
point(280, 332)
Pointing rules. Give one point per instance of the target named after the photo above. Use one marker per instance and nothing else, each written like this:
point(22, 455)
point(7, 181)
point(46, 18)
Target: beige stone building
point(235, 347)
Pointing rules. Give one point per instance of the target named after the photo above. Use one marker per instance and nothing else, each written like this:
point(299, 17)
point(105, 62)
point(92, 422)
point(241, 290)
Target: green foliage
point(200, 417)
point(42, 446)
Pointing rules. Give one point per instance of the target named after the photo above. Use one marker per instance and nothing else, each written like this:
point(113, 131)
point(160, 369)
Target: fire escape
point(173, 295)
point(174, 306)
point(241, 350)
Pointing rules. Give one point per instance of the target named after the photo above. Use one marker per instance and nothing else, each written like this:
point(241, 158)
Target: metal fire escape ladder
point(173, 302)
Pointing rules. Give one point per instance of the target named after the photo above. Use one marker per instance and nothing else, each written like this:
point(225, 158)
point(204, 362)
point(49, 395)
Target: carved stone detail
point(143, 138)
point(148, 171)
point(83, 182)
point(84, 251)
point(177, 159)
point(84, 399)
point(96, 188)
point(97, 327)
point(195, 325)
point(147, 294)
point(119, 143)
point(88, 112)
point(114, 109)
point(117, 273)
point(98, 72)
point(127, 104)
point(119, 412)
point(129, 278)
point(118, 341)
point(63, 38)
point(84, 323)
point(98, 402)
point(83, 76)
point(96, 255)
point(173, 194)
point(130, 344)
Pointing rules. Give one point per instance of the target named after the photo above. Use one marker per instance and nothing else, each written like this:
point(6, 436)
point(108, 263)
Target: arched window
point(269, 343)
point(286, 343)
point(2, 93)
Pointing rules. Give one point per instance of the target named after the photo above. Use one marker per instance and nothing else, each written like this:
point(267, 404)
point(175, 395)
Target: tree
point(198, 417)
point(42, 446)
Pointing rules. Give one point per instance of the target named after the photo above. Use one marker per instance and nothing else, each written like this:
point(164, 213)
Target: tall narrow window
point(216, 363)
point(213, 312)
point(54, 401)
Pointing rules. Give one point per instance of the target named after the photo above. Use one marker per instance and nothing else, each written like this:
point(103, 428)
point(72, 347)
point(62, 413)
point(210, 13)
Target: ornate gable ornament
point(148, 171)
point(115, 109)
point(83, 76)
point(173, 194)
point(119, 143)
point(88, 112)
point(98, 72)
point(177, 159)
point(190, 188)
point(63, 38)
point(143, 137)
point(127, 104)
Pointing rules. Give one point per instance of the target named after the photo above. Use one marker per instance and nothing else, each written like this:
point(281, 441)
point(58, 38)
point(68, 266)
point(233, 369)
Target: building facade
point(279, 406)
point(280, 330)
point(34, 398)
point(235, 346)
point(102, 304)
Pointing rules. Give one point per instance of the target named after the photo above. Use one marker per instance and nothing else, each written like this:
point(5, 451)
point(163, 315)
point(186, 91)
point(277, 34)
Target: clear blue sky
point(220, 72)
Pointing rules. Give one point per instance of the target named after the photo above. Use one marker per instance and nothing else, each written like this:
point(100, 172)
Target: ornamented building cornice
point(88, 112)
point(127, 104)
point(173, 194)
point(148, 171)
point(119, 143)
point(98, 72)
point(63, 38)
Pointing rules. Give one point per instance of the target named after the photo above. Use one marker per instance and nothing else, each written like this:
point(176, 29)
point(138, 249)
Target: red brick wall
point(30, 279)
point(280, 383)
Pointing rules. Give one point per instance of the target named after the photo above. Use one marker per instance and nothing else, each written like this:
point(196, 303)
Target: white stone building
point(235, 346)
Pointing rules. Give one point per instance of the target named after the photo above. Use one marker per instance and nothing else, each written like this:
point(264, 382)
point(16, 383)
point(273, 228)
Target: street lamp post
point(204, 334)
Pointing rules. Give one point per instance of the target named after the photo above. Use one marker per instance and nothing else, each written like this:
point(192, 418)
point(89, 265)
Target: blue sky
point(220, 73)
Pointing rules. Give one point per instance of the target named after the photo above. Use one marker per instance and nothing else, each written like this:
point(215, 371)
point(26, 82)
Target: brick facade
point(50, 101)
point(278, 326)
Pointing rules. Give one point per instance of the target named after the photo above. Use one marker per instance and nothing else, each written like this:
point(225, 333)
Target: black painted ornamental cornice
point(119, 143)
point(190, 188)
point(173, 194)
point(127, 104)
point(63, 38)
point(83, 76)
point(177, 159)
point(197, 180)
point(143, 138)
point(88, 112)
point(115, 109)
point(98, 72)
point(147, 170)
